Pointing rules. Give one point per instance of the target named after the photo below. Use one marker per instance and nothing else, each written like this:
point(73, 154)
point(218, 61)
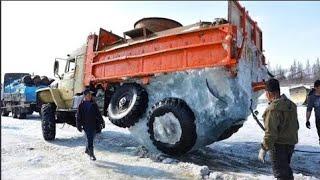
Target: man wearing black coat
point(90, 120)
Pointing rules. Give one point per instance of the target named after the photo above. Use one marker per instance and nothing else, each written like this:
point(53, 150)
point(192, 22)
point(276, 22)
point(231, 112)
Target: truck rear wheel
point(21, 115)
point(229, 132)
point(127, 105)
point(48, 122)
point(171, 125)
point(5, 112)
point(16, 113)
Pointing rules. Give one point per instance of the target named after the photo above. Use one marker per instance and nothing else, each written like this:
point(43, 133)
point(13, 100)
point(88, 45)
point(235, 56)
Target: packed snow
point(25, 155)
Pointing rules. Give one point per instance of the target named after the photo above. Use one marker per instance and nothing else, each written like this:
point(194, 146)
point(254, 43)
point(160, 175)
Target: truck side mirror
point(56, 69)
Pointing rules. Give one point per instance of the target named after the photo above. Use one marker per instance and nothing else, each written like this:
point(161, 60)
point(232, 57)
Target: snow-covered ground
point(25, 155)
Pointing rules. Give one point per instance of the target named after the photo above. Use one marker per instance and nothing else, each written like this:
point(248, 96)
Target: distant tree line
point(297, 73)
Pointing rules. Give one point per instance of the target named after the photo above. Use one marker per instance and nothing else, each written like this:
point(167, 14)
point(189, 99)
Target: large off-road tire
point(21, 115)
point(16, 113)
point(48, 122)
point(127, 105)
point(30, 112)
point(171, 125)
point(229, 132)
point(5, 112)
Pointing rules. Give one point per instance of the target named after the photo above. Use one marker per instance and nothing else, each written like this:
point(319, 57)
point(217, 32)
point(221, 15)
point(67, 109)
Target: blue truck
point(18, 94)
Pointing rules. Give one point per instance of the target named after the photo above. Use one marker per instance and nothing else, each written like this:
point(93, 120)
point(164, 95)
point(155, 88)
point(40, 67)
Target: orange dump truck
point(175, 87)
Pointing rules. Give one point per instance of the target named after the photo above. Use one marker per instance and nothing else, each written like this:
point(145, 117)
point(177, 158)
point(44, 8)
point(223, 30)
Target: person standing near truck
point(281, 131)
point(314, 102)
point(89, 119)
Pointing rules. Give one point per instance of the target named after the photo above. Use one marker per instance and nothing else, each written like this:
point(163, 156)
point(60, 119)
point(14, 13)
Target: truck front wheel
point(171, 125)
point(127, 105)
point(48, 122)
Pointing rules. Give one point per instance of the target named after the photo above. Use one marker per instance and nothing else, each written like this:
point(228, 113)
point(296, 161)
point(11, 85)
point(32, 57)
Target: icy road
point(25, 155)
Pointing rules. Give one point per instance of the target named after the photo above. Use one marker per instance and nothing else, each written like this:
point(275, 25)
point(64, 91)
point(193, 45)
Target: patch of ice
point(169, 161)
point(35, 160)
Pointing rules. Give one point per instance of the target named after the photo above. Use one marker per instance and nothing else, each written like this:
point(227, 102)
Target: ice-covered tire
point(171, 125)
point(48, 122)
point(229, 132)
point(127, 105)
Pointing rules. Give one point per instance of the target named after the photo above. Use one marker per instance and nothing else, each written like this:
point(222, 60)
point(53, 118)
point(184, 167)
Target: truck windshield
point(70, 66)
point(10, 77)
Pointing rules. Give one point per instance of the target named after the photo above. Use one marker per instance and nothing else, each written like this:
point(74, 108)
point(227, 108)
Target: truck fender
point(50, 95)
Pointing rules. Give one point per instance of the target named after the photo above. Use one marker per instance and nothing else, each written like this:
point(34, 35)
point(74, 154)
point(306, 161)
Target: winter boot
point(87, 151)
point(91, 154)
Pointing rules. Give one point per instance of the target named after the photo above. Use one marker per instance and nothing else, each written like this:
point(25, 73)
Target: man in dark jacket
point(314, 103)
point(281, 131)
point(90, 120)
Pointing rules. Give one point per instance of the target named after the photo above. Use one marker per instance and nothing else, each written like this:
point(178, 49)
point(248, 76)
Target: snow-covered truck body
point(19, 94)
point(175, 87)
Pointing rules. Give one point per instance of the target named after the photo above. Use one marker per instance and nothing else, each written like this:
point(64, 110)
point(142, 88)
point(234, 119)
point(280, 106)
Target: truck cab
point(60, 101)
point(69, 71)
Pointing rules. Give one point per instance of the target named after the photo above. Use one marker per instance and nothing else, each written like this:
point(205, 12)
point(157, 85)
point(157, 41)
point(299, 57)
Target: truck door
point(66, 84)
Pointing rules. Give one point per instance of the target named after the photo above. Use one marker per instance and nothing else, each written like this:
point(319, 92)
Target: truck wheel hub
point(123, 103)
point(167, 128)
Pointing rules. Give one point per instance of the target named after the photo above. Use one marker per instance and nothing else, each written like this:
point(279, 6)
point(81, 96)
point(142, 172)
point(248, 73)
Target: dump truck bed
point(110, 58)
point(200, 48)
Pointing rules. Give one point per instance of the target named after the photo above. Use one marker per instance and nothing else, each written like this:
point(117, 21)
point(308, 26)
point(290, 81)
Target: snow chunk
point(201, 171)
point(216, 176)
point(35, 160)
point(142, 152)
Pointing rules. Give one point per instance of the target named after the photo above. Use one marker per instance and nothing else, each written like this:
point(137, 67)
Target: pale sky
point(34, 33)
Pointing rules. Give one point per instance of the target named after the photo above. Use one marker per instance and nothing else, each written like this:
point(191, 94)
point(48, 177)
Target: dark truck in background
point(18, 94)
